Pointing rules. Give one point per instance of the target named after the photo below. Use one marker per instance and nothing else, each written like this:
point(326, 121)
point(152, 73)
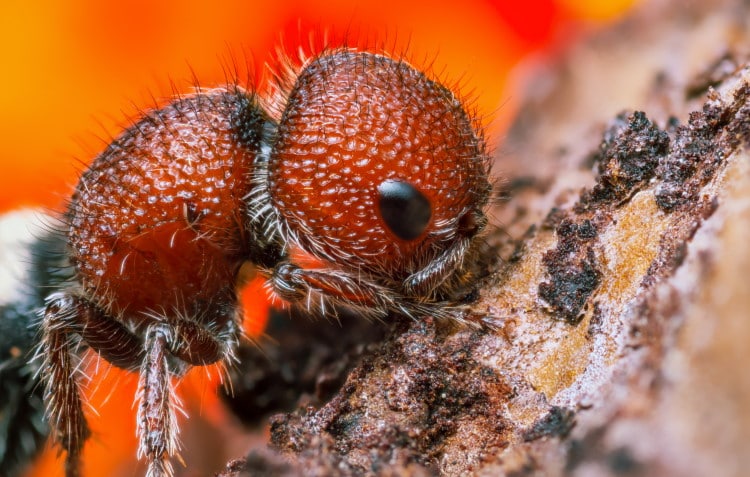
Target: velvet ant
point(359, 161)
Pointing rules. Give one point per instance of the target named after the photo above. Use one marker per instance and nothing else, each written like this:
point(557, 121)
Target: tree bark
point(614, 330)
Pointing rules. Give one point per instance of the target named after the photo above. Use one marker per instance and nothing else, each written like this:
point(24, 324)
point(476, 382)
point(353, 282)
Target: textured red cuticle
point(368, 194)
point(158, 222)
point(352, 121)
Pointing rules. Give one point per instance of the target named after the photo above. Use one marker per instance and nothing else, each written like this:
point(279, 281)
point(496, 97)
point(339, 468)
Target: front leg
point(317, 288)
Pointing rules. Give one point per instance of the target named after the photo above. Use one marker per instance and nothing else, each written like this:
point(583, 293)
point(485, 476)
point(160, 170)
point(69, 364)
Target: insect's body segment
point(378, 172)
point(372, 169)
point(158, 231)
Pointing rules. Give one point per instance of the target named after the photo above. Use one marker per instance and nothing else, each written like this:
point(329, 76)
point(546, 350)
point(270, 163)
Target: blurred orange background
point(75, 73)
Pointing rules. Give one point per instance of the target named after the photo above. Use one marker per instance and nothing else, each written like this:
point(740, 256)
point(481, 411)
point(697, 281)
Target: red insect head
point(369, 166)
point(374, 164)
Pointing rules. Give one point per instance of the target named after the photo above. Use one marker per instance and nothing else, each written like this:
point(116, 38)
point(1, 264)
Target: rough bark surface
point(615, 329)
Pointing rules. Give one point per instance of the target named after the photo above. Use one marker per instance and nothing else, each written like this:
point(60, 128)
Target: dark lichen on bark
point(627, 159)
point(573, 269)
point(557, 423)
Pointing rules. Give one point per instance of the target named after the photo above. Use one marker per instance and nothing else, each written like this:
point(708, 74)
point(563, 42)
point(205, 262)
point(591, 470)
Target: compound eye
point(405, 210)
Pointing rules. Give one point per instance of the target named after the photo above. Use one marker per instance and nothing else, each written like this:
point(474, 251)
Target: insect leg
point(314, 288)
point(193, 343)
point(157, 427)
point(65, 411)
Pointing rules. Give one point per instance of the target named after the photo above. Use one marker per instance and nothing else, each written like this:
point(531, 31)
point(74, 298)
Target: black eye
point(405, 210)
